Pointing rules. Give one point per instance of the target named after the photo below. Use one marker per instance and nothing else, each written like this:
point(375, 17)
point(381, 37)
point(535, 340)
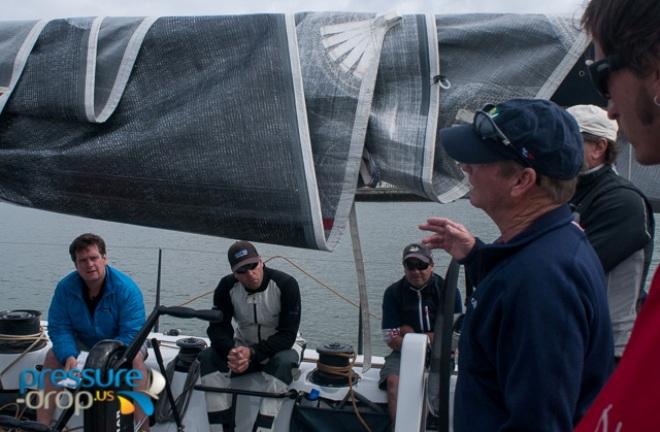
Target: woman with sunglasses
point(626, 71)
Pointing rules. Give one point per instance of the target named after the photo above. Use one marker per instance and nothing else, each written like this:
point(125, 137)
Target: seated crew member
point(93, 303)
point(265, 305)
point(410, 305)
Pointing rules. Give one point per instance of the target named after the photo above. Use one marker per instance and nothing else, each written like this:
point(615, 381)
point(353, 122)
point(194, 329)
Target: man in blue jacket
point(536, 344)
point(93, 303)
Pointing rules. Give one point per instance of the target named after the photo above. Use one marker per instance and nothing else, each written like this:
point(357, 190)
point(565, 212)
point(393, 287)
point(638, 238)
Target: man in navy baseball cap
point(536, 341)
point(533, 132)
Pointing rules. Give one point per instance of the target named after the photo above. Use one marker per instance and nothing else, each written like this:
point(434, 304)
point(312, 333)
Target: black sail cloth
point(253, 126)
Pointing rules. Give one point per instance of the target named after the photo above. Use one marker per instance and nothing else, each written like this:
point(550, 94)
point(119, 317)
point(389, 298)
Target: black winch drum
point(189, 349)
point(20, 323)
point(105, 415)
point(335, 355)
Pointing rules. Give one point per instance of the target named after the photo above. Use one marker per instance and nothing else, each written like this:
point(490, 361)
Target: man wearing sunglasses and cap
point(536, 342)
point(617, 218)
point(265, 306)
point(410, 305)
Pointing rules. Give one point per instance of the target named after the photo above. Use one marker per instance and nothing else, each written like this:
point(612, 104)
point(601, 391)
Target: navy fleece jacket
point(536, 344)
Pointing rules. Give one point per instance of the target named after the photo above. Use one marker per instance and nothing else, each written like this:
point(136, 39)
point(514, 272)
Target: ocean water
point(34, 258)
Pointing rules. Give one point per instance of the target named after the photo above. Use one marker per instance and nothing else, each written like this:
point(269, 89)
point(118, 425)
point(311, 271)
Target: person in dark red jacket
point(626, 70)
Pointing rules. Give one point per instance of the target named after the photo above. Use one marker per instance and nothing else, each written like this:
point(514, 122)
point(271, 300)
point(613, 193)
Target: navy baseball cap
point(242, 253)
point(533, 132)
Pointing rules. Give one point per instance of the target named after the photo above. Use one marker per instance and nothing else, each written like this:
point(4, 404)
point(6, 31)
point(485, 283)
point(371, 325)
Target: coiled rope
point(18, 412)
point(35, 338)
point(345, 372)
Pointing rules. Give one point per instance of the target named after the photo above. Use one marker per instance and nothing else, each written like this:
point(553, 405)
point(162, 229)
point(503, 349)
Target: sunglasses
point(486, 128)
point(416, 265)
point(600, 71)
point(244, 269)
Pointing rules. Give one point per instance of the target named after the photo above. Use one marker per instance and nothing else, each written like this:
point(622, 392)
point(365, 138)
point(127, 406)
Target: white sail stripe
point(315, 212)
point(358, 53)
point(363, 64)
point(456, 192)
point(90, 68)
point(20, 60)
point(564, 67)
point(359, 132)
point(125, 68)
point(336, 39)
point(355, 48)
point(434, 108)
point(339, 28)
point(340, 50)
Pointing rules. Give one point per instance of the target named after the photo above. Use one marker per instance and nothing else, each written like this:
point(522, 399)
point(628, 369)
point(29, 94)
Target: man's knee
point(50, 363)
point(138, 361)
point(138, 364)
point(288, 357)
point(281, 364)
point(210, 361)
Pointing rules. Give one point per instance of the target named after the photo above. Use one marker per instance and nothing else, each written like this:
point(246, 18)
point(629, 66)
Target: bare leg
point(45, 414)
point(392, 390)
point(140, 417)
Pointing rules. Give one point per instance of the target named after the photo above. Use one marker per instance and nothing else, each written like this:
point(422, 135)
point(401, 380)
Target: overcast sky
point(30, 9)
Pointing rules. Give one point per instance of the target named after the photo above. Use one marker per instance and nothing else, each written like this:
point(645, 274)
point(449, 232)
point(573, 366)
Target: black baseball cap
point(242, 253)
point(418, 251)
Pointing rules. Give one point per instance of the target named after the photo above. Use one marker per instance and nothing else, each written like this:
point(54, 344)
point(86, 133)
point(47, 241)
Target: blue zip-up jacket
point(536, 343)
point(119, 314)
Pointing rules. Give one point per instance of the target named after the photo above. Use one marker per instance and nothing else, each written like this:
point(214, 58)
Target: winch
point(20, 330)
point(189, 349)
point(334, 367)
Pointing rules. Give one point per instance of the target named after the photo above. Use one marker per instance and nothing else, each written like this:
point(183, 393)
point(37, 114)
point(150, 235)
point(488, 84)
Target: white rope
point(38, 337)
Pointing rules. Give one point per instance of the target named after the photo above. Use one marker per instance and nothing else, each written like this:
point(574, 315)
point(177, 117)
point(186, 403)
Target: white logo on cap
point(413, 249)
point(241, 253)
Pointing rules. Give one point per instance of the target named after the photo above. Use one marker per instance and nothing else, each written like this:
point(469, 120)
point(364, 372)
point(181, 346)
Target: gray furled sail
point(481, 58)
point(254, 126)
point(210, 134)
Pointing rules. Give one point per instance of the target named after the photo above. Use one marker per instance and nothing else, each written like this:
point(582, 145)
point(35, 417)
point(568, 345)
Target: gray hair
point(559, 191)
